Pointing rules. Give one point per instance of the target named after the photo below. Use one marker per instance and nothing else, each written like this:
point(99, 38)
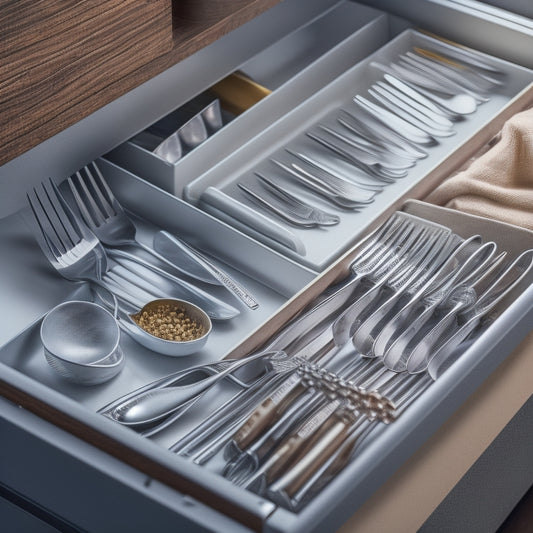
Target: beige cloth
point(498, 184)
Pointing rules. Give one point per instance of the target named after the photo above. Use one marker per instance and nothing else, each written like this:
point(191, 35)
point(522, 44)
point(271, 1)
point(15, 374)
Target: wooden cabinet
point(62, 60)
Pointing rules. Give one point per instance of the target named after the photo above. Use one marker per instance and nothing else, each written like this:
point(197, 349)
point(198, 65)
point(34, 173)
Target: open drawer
point(282, 283)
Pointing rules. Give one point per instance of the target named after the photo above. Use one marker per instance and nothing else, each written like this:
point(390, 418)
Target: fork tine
point(50, 252)
point(48, 221)
point(61, 217)
point(103, 190)
point(93, 217)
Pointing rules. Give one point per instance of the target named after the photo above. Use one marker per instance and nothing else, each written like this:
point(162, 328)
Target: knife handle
point(267, 412)
point(252, 220)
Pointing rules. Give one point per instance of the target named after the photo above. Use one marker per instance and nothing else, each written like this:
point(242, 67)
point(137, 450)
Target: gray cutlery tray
point(325, 245)
point(23, 366)
point(347, 32)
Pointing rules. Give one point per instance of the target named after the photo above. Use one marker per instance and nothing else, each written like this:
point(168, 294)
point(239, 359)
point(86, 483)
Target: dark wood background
point(61, 60)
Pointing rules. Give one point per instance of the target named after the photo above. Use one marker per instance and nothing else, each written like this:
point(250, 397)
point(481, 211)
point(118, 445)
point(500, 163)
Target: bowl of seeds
point(173, 327)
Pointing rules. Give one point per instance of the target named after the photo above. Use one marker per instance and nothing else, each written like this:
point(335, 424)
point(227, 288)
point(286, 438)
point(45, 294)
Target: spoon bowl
point(174, 348)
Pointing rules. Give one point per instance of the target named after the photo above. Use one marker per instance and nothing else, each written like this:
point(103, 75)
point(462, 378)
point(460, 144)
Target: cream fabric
point(499, 183)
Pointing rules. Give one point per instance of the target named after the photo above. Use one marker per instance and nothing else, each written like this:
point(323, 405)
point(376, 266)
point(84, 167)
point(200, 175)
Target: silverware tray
point(23, 364)
point(325, 245)
point(348, 32)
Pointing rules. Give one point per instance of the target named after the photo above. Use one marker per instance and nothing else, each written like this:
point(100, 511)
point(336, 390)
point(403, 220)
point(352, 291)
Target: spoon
point(153, 405)
point(157, 344)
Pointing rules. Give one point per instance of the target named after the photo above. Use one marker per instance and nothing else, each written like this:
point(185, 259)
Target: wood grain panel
point(57, 54)
point(62, 60)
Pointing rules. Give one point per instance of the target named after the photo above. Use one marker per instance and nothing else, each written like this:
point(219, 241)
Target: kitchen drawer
point(284, 285)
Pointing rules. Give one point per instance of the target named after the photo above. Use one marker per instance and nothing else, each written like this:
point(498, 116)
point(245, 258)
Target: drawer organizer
point(377, 438)
point(348, 32)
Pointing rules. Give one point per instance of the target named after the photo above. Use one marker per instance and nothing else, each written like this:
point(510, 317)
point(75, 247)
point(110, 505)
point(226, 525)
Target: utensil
point(186, 375)
point(451, 262)
point(154, 405)
point(185, 138)
point(437, 348)
point(365, 140)
point(103, 214)
point(456, 104)
point(81, 342)
point(193, 132)
point(452, 70)
point(329, 190)
point(212, 116)
point(191, 262)
point(402, 99)
point(411, 320)
point(170, 149)
point(251, 222)
point(75, 252)
point(420, 267)
point(413, 116)
point(378, 128)
point(347, 153)
point(396, 123)
point(402, 393)
point(287, 206)
point(468, 57)
point(447, 81)
point(382, 161)
point(344, 184)
point(414, 243)
point(216, 430)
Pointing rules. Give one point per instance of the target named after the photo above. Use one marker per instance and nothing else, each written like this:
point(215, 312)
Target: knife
point(251, 222)
point(188, 260)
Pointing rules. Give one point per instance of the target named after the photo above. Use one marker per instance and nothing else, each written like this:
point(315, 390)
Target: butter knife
point(194, 264)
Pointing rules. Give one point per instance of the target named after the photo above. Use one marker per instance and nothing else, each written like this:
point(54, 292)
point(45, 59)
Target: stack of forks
point(86, 246)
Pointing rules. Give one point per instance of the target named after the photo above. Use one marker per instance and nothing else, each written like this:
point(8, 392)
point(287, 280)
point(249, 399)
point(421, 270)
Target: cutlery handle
point(168, 246)
point(267, 412)
point(295, 444)
point(325, 443)
point(252, 220)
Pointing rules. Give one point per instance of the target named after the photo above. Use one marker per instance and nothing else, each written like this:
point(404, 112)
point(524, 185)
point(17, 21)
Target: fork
point(69, 246)
point(287, 206)
point(395, 267)
point(103, 214)
point(77, 254)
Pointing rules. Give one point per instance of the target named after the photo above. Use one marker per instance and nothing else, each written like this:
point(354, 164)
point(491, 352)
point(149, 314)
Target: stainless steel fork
point(102, 212)
point(287, 206)
point(104, 215)
point(77, 254)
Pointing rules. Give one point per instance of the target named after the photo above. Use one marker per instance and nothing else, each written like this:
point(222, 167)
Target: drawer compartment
point(302, 68)
point(323, 245)
point(26, 378)
point(168, 197)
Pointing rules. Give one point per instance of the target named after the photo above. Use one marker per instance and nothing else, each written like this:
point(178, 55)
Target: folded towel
point(499, 183)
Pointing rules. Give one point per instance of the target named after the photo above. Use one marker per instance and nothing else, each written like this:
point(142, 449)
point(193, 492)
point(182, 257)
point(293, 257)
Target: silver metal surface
point(81, 342)
point(199, 266)
point(287, 206)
